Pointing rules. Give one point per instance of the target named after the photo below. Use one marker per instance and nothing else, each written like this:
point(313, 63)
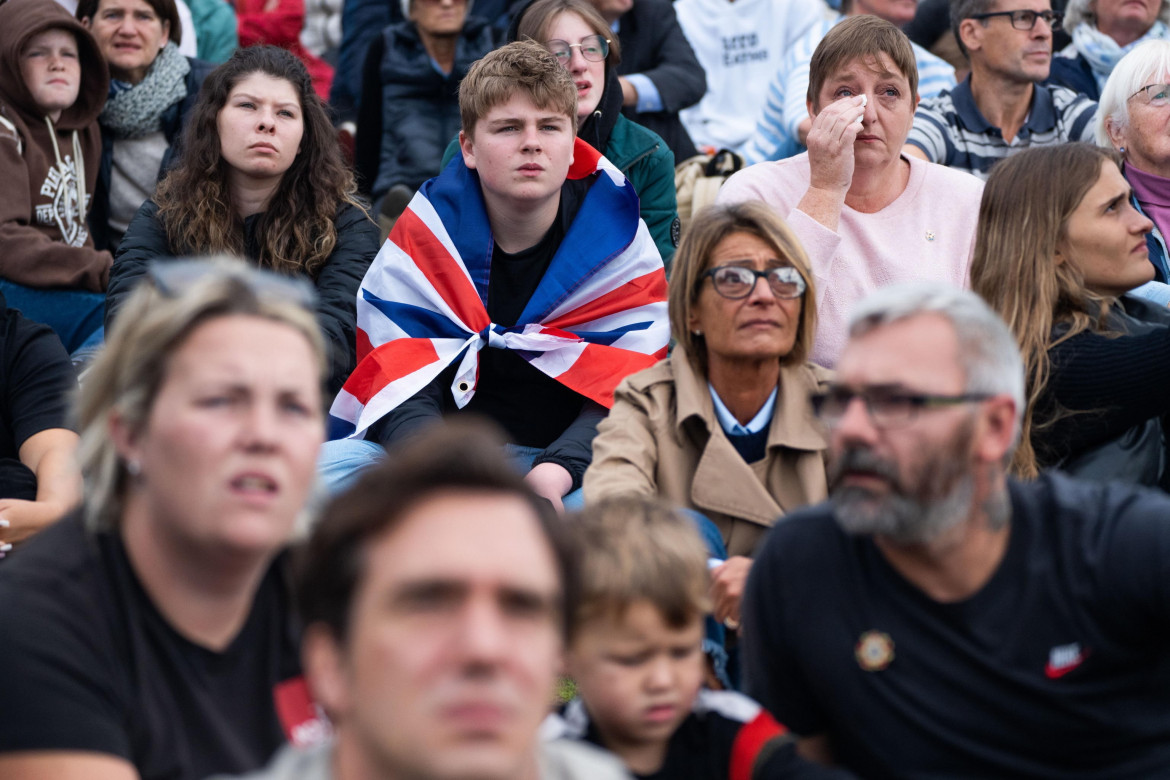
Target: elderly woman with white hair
point(1104, 31)
point(1133, 117)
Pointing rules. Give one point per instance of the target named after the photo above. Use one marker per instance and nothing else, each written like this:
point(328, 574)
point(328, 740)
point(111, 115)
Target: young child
point(635, 655)
point(520, 284)
point(53, 84)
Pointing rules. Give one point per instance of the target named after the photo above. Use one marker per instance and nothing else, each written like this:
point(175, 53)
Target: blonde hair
point(126, 376)
point(637, 549)
point(1023, 218)
point(522, 67)
point(712, 225)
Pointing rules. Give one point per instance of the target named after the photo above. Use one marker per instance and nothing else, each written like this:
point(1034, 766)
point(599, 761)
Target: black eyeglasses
point(172, 278)
point(593, 48)
point(886, 408)
point(736, 281)
point(1026, 19)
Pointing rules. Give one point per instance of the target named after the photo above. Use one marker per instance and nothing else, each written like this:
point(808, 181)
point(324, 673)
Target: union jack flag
point(598, 314)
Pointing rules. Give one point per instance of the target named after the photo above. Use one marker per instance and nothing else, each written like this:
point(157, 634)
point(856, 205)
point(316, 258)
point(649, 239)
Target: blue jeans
point(74, 315)
point(715, 636)
point(342, 461)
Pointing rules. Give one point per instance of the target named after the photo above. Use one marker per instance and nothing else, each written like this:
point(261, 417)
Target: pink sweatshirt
point(927, 233)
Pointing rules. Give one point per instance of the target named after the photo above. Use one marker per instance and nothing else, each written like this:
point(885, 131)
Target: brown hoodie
point(44, 239)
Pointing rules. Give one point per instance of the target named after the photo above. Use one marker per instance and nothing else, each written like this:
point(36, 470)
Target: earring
point(133, 467)
point(1121, 149)
point(697, 333)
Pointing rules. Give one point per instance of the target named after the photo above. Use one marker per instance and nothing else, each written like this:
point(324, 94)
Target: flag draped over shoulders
point(597, 315)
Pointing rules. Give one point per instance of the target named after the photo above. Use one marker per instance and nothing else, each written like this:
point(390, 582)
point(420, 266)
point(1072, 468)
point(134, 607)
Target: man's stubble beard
point(942, 496)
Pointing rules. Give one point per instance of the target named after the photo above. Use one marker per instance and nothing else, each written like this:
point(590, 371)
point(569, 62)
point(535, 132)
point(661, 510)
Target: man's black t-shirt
point(36, 381)
point(1058, 667)
point(91, 665)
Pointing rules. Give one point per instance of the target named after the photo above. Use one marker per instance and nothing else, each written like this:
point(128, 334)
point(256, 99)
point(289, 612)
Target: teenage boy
point(53, 84)
point(529, 244)
point(635, 655)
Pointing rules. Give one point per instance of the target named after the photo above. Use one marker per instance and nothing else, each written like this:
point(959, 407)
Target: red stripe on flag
point(390, 361)
point(599, 369)
point(414, 237)
point(585, 159)
point(364, 345)
point(650, 288)
point(750, 740)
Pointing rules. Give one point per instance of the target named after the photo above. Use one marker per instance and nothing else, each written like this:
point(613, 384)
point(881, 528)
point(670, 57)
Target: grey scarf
point(132, 111)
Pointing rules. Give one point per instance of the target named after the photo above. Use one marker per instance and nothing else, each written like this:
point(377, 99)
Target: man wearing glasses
point(1002, 107)
point(936, 618)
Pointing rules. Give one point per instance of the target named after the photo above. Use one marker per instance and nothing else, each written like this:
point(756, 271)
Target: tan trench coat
point(662, 438)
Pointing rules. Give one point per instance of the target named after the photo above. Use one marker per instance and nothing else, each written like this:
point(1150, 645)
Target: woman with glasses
point(579, 37)
point(1133, 117)
point(261, 176)
point(1059, 248)
point(1103, 32)
point(151, 635)
point(724, 426)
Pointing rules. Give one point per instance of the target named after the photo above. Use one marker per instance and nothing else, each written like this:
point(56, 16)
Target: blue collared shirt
point(951, 130)
point(731, 426)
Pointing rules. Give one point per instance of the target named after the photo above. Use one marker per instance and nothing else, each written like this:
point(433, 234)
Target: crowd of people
point(368, 412)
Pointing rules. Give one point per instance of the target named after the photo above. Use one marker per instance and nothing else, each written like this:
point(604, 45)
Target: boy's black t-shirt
point(91, 665)
point(36, 382)
point(532, 407)
point(727, 736)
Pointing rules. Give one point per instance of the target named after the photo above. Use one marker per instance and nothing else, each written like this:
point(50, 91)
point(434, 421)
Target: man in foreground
point(435, 597)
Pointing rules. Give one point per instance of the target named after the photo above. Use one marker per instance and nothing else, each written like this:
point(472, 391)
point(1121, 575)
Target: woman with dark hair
point(1058, 248)
point(261, 176)
point(152, 91)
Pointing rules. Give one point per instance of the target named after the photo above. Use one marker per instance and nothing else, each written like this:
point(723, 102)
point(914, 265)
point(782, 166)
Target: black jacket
point(174, 119)
point(653, 44)
point(1075, 74)
point(408, 109)
point(337, 282)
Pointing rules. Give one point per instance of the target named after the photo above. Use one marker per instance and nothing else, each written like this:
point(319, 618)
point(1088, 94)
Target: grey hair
point(988, 352)
point(1151, 60)
point(965, 9)
point(1079, 12)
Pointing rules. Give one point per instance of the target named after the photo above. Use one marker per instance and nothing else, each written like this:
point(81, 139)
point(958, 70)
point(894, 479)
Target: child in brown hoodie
point(53, 84)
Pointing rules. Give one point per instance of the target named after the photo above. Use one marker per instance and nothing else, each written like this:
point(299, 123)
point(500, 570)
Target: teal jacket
point(216, 32)
point(645, 159)
point(648, 163)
